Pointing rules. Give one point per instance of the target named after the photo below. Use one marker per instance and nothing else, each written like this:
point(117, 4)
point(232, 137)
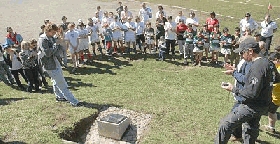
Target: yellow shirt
point(276, 89)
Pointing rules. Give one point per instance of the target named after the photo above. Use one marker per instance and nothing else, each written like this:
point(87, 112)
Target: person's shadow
point(12, 142)
point(7, 101)
point(75, 83)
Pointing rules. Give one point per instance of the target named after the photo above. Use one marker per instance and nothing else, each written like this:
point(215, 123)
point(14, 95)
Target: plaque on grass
point(113, 126)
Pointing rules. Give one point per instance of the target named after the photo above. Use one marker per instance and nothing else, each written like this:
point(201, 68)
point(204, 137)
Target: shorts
point(226, 51)
point(117, 37)
point(72, 51)
point(272, 108)
point(150, 41)
point(130, 39)
point(83, 44)
point(94, 39)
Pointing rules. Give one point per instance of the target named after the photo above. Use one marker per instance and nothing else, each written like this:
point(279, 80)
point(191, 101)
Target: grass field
point(187, 103)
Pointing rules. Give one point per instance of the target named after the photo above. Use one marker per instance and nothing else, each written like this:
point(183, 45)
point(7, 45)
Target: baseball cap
point(80, 21)
point(247, 44)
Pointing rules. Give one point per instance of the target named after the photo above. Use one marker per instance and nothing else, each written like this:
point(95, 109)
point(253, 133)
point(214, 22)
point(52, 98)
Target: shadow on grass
point(7, 101)
point(12, 142)
point(262, 142)
point(77, 133)
point(74, 83)
point(275, 135)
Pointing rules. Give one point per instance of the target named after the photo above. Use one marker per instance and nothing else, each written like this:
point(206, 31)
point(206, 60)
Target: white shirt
point(250, 24)
point(72, 36)
point(139, 28)
point(115, 25)
point(107, 20)
point(100, 15)
point(192, 21)
point(83, 33)
point(125, 15)
point(94, 31)
point(16, 64)
point(131, 29)
point(157, 14)
point(144, 14)
point(170, 29)
point(267, 29)
point(180, 17)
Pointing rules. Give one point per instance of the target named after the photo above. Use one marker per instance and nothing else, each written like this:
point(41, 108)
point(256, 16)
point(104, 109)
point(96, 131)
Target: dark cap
point(63, 17)
point(247, 44)
point(247, 14)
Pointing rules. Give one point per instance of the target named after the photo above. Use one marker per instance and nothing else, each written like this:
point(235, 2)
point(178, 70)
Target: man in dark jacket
point(256, 97)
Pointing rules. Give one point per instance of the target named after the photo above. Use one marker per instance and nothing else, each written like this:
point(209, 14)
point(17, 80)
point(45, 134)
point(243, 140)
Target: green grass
point(186, 103)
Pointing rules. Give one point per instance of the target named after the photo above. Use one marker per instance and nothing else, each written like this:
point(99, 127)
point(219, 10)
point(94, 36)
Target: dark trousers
point(15, 73)
point(32, 76)
point(41, 73)
point(140, 39)
point(170, 44)
point(238, 131)
point(267, 41)
point(243, 114)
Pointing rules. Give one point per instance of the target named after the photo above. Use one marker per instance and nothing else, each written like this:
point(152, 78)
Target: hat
point(63, 17)
point(80, 21)
point(246, 44)
point(247, 14)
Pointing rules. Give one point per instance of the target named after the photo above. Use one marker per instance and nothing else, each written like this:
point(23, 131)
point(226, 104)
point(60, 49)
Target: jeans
point(243, 114)
point(181, 44)
point(188, 52)
point(170, 43)
point(60, 86)
point(4, 71)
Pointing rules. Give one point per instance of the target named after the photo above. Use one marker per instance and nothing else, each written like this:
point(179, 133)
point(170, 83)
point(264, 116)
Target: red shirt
point(211, 23)
point(13, 38)
point(182, 28)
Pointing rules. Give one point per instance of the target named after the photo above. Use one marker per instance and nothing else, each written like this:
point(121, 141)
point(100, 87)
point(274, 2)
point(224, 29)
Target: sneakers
point(268, 129)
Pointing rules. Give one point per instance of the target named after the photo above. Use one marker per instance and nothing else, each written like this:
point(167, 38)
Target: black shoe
point(78, 104)
point(60, 99)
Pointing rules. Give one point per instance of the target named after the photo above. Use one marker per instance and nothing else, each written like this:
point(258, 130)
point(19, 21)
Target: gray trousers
point(5, 72)
point(242, 114)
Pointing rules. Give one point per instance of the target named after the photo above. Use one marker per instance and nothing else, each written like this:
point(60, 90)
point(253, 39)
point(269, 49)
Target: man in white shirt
point(248, 22)
point(192, 20)
point(100, 13)
point(268, 28)
point(180, 17)
point(125, 14)
point(170, 35)
point(145, 13)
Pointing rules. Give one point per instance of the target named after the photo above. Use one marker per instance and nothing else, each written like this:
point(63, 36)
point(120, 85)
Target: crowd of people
point(123, 33)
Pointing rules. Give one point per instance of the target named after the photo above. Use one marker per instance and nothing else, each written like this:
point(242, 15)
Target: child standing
point(28, 58)
point(108, 37)
point(83, 41)
point(4, 70)
point(188, 50)
point(93, 30)
point(149, 36)
point(198, 47)
point(162, 48)
point(215, 44)
point(206, 34)
point(16, 66)
point(116, 27)
point(72, 38)
point(130, 35)
point(235, 44)
point(226, 44)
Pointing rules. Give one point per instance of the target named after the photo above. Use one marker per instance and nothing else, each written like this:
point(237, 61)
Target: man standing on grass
point(256, 96)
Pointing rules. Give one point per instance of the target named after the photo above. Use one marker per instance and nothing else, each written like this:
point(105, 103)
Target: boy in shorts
point(116, 27)
point(72, 38)
point(83, 41)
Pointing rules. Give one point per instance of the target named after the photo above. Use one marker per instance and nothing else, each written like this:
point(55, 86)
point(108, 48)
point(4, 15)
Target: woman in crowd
point(13, 39)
